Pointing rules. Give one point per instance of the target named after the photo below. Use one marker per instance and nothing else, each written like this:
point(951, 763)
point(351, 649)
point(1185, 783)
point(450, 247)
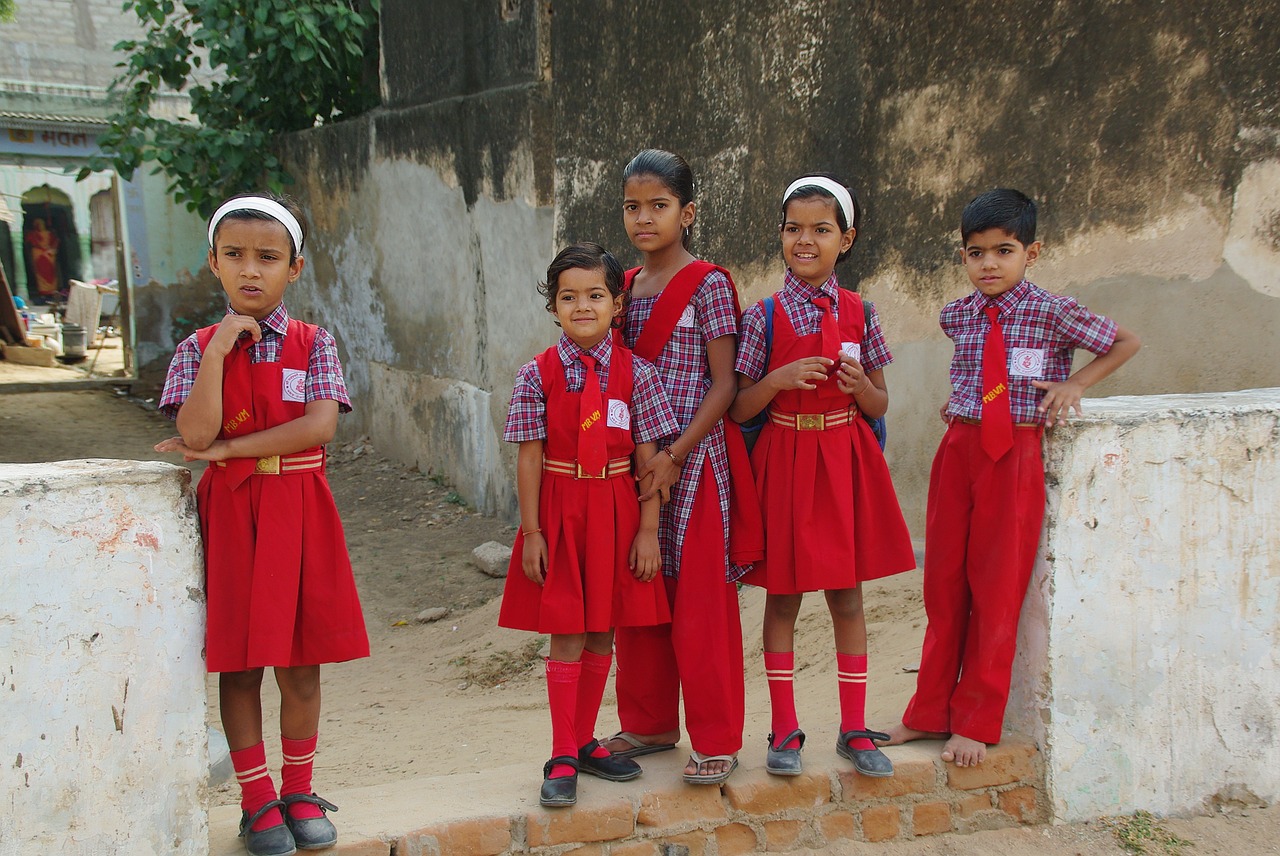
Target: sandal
point(784, 762)
point(712, 778)
point(868, 762)
point(274, 840)
point(562, 791)
point(311, 833)
point(638, 747)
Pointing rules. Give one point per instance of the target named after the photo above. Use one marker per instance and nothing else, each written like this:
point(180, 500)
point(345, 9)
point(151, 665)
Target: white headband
point(266, 206)
point(835, 188)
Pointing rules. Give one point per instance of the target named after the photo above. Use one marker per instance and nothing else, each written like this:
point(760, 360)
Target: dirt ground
point(460, 694)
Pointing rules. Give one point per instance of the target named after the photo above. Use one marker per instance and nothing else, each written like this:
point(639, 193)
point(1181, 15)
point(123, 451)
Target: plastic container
point(73, 342)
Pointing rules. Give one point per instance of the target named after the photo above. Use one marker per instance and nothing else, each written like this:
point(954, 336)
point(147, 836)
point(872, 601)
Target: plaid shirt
point(796, 299)
point(1050, 325)
point(324, 370)
point(686, 377)
point(651, 416)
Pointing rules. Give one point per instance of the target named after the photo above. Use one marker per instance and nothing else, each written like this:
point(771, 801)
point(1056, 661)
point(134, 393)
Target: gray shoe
point(272, 841)
point(784, 762)
point(868, 762)
point(312, 833)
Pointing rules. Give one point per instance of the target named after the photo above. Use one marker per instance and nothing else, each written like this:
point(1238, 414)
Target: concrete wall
point(1148, 644)
point(1148, 135)
point(101, 660)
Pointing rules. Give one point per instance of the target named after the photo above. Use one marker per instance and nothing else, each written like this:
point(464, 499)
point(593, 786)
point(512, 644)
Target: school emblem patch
point(293, 385)
point(619, 414)
point(1026, 362)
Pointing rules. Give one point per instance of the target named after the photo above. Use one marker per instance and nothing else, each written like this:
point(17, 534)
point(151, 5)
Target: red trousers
point(981, 533)
point(700, 651)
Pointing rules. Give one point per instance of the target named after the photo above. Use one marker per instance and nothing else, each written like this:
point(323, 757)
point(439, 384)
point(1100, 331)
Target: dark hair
point(582, 256)
point(288, 202)
point(1002, 208)
point(670, 169)
point(812, 191)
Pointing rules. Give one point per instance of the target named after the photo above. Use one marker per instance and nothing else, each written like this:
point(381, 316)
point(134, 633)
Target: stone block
point(689, 844)
point(971, 805)
point(782, 834)
point(756, 792)
point(598, 822)
point(735, 839)
point(1005, 764)
point(680, 804)
point(634, 848)
point(881, 823)
point(492, 558)
point(837, 826)
point(931, 818)
point(1019, 803)
point(486, 836)
point(912, 776)
point(586, 850)
point(363, 847)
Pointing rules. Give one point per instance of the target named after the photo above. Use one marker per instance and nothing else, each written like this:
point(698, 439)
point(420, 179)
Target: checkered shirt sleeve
point(527, 415)
point(651, 414)
point(1031, 318)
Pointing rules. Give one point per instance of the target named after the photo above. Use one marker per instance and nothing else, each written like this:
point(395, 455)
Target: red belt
point(615, 467)
point(812, 421)
point(967, 421)
point(275, 465)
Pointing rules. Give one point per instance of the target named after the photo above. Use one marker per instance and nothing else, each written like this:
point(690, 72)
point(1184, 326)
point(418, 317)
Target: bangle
point(530, 531)
point(679, 462)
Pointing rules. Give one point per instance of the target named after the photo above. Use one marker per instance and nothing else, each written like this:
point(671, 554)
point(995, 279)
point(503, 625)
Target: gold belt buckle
point(810, 421)
point(269, 466)
point(582, 474)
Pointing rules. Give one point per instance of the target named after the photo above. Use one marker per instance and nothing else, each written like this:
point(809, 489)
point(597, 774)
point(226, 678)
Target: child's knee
point(782, 607)
point(845, 604)
point(300, 682)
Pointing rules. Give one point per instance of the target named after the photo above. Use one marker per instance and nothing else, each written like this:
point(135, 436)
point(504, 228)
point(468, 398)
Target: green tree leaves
point(252, 72)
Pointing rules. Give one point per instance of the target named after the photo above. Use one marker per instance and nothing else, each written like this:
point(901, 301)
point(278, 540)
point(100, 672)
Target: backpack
point(751, 428)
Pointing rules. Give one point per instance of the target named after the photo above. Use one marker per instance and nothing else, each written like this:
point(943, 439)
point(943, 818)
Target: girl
point(683, 315)
point(258, 396)
point(587, 550)
point(830, 513)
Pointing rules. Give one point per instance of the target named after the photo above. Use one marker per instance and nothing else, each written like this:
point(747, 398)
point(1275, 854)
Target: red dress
point(589, 526)
point(831, 517)
point(279, 582)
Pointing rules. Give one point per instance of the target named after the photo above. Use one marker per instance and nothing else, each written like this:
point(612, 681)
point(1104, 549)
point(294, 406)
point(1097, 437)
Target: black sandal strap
point(875, 736)
point(795, 735)
point(566, 760)
point(324, 804)
point(249, 821)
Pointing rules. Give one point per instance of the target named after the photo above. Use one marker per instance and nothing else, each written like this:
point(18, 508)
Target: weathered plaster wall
point(1147, 130)
point(1148, 644)
point(101, 660)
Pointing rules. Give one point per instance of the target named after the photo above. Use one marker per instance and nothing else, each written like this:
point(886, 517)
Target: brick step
point(496, 811)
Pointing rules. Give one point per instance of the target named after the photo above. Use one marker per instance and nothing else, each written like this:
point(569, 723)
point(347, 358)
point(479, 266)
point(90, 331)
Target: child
point(587, 550)
point(258, 395)
point(831, 517)
point(683, 315)
point(1009, 379)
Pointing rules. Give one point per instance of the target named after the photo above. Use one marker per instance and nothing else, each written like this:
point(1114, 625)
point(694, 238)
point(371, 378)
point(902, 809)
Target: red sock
point(562, 697)
point(851, 670)
point(779, 669)
point(595, 674)
point(295, 775)
point(256, 787)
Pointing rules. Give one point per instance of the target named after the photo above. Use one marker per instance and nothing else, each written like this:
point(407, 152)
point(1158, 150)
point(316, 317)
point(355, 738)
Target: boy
point(258, 395)
point(1010, 378)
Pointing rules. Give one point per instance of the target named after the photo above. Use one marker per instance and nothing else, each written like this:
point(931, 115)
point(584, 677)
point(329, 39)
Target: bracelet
point(672, 455)
point(531, 531)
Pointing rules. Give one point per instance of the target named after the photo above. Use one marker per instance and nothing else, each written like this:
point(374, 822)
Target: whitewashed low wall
point(1148, 647)
point(102, 684)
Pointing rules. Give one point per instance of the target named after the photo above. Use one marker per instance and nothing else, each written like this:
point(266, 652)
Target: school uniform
point(589, 523)
point(831, 516)
point(280, 590)
point(983, 515)
point(700, 651)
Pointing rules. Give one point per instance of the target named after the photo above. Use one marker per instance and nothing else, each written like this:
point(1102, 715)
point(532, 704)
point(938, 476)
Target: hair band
point(264, 205)
point(835, 188)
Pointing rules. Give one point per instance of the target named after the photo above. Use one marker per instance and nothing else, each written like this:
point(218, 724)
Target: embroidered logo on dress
point(686, 317)
point(619, 414)
point(1026, 362)
point(294, 385)
point(853, 349)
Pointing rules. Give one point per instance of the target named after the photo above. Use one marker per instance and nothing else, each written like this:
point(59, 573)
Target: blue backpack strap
point(767, 303)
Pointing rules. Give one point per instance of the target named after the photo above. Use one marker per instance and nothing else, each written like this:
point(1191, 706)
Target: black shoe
point(615, 768)
point(562, 791)
point(785, 762)
point(273, 841)
point(868, 762)
point(311, 833)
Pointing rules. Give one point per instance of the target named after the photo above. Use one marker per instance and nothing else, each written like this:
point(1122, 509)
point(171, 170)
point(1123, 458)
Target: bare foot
point(900, 734)
point(963, 751)
point(618, 745)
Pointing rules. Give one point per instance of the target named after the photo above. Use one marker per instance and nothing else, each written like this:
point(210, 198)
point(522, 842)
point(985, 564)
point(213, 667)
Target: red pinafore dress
point(589, 526)
point(279, 583)
point(831, 516)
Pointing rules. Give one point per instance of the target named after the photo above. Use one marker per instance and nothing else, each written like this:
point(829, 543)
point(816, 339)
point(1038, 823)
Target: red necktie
point(593, 450)
point(829, 331)
point(997, 423)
